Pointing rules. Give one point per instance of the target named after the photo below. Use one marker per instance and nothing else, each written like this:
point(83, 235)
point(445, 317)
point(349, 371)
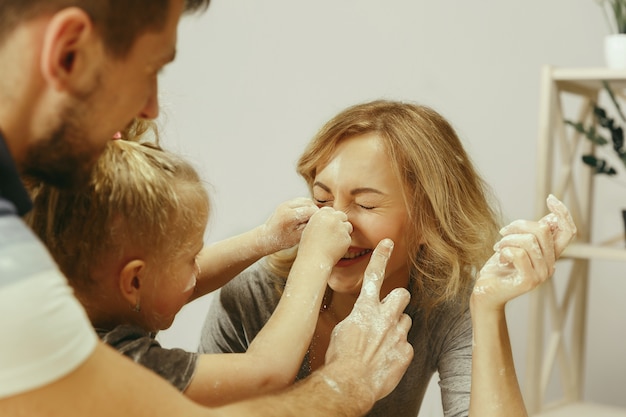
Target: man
point(73, 73)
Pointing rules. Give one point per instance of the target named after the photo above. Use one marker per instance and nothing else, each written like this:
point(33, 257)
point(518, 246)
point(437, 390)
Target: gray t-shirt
point(175, 365)
point(444, 345)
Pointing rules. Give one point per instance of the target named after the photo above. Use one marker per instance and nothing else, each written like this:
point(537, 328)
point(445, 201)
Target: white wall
point(255, 79)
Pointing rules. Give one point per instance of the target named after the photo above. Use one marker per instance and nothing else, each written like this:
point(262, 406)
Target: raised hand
point(525, 256)
point(284, 227)
point(560, 223)
point(371, 343)
point(328, 233)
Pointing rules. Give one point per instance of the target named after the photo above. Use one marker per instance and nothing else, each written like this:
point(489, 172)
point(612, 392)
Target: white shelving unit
point(583, 410)
point(556, 347)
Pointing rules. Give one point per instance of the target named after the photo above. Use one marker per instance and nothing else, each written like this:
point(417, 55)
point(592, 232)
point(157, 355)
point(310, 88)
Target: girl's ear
point(72, 52)
point(131, 282)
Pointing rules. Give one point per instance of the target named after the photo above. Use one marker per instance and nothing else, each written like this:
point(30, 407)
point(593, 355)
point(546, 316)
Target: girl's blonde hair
point(138, 197)
point(452, 224)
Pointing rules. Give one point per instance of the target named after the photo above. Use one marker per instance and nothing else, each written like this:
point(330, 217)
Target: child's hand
point(327, 234)
point(284, 227)
point(524, 257)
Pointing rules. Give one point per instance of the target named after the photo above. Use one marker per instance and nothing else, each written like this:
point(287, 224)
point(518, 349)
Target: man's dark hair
point(119, 21)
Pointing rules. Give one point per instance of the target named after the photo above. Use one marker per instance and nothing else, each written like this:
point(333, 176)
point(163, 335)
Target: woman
point(399, 171)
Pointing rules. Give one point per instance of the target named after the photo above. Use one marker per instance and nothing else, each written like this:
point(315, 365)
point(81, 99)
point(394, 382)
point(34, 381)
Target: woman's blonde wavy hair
point(137, 196)
point(449, 206)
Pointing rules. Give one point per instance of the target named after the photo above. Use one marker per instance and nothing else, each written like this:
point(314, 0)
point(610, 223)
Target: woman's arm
point(274, 356)
point(223, 260)
point(524, 258)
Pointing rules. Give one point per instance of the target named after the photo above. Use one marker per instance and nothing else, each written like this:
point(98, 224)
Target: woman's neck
point(337, 305)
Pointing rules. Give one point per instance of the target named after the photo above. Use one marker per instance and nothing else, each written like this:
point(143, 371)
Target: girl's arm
point(224, 260)
point(524, 258)
point(275, 355)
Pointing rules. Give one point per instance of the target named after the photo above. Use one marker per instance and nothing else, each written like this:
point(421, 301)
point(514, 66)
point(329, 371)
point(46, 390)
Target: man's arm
point(366, 359)
point(105, 384)
point(110, 384)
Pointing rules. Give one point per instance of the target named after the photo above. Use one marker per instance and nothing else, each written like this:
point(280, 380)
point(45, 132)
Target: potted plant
point(607, 125)
point(614, 12)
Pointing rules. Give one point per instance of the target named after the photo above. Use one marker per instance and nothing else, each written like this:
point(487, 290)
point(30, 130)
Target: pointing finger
point(375, 271)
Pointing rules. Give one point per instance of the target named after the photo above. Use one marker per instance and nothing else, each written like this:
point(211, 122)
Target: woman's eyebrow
point(321, 185)
point(365, 190)
point(356, 191)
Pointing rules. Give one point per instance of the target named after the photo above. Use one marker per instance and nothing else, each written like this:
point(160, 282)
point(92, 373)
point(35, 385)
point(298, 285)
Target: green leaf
point(607, 87)
point(600, 165)
point(590, 133)
point(622, 158)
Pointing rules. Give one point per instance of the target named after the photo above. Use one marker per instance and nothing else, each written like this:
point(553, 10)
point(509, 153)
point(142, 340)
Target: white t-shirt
point(44, 331)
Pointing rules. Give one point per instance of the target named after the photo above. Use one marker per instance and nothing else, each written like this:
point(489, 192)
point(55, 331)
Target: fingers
point(534, 237)
point(396, 301)
point(538, 244)
point(522, 271)
point(328, 234)
point(375, 271)
point(506, 275)
point(560, 222)
point(405, 323)
point(303, 209)
point(406, 349)
point(553, 232)
point(525, 256)
point(331, 211)
point(335, 216)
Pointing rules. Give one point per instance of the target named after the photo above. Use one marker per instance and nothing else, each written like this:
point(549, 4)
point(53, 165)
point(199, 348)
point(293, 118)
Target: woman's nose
point(342, 206)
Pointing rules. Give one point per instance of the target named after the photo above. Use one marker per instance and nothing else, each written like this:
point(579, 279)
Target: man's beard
point(66, 157)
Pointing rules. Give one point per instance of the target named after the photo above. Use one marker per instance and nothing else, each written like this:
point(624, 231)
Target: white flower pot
point(615, 50)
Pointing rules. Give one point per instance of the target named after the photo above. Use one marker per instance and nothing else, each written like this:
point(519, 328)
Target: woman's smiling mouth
point(353, 256)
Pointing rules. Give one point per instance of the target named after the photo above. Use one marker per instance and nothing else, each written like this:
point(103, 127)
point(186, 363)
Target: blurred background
point(254, 80)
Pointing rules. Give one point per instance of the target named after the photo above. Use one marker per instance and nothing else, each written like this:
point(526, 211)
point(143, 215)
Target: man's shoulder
point(7, 208)
point(22, 254)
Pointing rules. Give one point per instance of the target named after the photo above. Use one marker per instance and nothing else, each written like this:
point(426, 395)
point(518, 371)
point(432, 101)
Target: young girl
point(131, 245)
point(399, 171)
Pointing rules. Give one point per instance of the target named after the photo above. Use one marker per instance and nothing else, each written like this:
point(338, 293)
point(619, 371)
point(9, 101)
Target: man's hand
point(370, 345)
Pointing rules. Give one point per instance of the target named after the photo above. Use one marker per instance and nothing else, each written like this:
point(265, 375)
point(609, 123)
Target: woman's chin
point(345, 286)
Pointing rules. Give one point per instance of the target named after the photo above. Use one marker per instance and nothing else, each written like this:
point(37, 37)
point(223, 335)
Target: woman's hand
point(525, 256)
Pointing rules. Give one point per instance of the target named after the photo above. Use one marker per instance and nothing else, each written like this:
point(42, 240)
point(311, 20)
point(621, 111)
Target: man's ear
point(131, 281)
point(71, 51)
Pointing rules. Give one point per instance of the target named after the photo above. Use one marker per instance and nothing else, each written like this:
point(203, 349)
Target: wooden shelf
point(587, 81)
point(556, 345)
point(589, 251)
point(583, 410)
